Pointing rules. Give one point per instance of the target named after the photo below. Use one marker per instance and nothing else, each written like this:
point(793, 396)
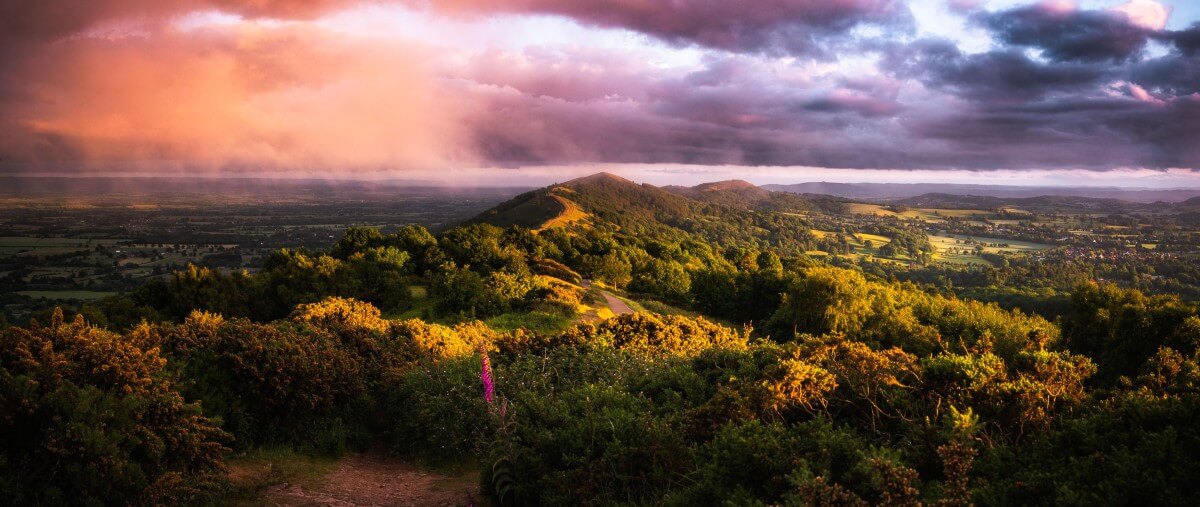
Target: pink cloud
point(240, 95)
point(1147, 14)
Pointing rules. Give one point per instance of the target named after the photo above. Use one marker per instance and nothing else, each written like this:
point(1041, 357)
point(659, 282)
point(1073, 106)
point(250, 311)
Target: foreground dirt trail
point(377, 480)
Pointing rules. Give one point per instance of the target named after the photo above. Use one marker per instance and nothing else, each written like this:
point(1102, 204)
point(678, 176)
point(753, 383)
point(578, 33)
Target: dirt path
point(377, 480)
point(615, 304)
point(570, 214)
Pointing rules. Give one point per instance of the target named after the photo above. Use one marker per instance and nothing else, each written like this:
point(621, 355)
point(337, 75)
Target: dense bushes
point(860, 392)
point(88, 418)
point(623, 412)
point(313, 381)
point(276, 383)
point(641, 408)
point(1122, 329)
point(1138, 448)
point(93, 417)
point(435, 410)
point(758, 422)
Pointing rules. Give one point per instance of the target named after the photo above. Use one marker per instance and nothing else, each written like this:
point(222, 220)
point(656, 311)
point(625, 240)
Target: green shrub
point(1135, 450)
point(436, 411)
point(281, 383)
point(88, 418)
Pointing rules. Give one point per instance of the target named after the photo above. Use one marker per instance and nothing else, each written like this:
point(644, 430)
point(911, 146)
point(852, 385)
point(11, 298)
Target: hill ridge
point(726, 185)
point(606, 197)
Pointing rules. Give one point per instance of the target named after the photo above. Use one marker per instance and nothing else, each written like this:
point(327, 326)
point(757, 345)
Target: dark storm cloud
point(1176, 74)
point(1004, 74)
point(868, 97)
point(848, 102)
point(769, 26)
point(1188, 41)
point(1068, 35)
point(728, 112)
point(1019, 113)
point(1096, 133)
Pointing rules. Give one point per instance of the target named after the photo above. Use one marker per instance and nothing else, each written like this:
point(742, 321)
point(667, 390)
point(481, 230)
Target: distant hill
point(605, 196)
point(715, 210)
point(731, 192)
point(530, 210)
point(745, 195)
point(1040, 203)
point(611, 199)
point(895, 191)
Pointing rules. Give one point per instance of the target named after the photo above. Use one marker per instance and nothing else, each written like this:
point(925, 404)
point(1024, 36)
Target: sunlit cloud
point(931, 89)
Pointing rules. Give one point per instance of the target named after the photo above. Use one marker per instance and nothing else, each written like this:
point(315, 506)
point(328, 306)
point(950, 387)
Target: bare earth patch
point(373, 479)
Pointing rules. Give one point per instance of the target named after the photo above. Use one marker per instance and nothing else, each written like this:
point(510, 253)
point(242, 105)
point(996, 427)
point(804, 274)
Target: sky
point(1051, 92)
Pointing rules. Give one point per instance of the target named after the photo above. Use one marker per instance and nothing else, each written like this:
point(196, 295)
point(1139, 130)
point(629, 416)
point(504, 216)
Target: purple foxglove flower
point(485, 376)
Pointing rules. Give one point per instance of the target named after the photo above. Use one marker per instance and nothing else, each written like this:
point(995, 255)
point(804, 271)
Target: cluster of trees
point(907, 242)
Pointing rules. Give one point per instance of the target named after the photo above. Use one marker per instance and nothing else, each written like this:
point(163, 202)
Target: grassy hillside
point(529, 210)
point(726, 213)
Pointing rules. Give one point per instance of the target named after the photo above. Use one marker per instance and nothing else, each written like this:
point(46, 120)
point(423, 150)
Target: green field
point(951, 248)
point(62, 295)
point(858, 247)
point(14, 245)
point(873, 238)
point(925, 214)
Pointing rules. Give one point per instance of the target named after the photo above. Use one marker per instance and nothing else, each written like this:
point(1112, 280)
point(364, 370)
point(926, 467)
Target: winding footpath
point(615, 304)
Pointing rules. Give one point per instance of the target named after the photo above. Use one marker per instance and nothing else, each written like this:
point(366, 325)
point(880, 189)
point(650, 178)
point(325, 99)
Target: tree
point(824, 300)
point(356, 239)
point(769, 261)
point(667, 279)
point(610, 268)
point(421, 246)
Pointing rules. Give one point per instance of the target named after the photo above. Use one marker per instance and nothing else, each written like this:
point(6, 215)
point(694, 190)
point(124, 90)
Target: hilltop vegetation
point(794, 382)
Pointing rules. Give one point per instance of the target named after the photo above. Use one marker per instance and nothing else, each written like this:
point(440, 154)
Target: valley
point(77, 250)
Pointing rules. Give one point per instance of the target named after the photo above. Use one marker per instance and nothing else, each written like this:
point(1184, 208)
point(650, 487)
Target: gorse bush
point(271, 383)
point(313, 382)
point(88, 418)
point(651, 335)
point(341, 314)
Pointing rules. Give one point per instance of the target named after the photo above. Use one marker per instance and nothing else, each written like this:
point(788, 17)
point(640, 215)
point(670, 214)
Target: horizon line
point(418, 182)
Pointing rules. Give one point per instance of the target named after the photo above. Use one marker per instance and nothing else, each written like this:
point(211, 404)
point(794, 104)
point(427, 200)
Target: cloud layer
point(241, 85)
point(772, 26)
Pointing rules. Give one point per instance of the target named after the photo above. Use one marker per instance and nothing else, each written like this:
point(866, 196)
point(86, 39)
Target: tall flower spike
point(485, 376)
